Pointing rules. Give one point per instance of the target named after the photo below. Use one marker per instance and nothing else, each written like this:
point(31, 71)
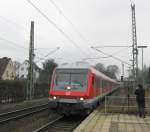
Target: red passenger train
point(78, 88)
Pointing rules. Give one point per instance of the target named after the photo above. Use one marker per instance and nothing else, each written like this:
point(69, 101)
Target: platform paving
point(98, 121)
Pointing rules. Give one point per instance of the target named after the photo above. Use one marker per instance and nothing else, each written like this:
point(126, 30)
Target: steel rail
point(46, 126)
point(5, 117)
point(61, 124)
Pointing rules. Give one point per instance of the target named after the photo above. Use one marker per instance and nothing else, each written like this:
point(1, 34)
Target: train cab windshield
point(70, 79)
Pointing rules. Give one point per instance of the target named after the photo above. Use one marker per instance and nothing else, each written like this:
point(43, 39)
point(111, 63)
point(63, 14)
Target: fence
point(120, 104)
point(15, 91)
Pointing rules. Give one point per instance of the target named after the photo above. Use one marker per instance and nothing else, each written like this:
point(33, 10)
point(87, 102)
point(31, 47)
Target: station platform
point(98, 121)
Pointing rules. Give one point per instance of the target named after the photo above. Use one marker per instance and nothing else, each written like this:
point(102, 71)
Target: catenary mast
point(134, 46)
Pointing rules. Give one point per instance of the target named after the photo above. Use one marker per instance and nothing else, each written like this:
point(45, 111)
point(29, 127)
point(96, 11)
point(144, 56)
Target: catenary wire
point(111, 56)
point(77, 31)
point(17, 45)
point(106, 56)
point(73, 26)
point(103, 46)
point(124, 49)
point(43, 58)
point(13, 43)
point(58, 28)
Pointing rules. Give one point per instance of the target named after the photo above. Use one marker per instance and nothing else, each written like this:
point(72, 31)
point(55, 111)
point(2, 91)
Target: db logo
point(68, 93)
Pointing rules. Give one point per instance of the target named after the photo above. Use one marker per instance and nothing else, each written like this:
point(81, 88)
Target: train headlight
point(54, 97)
point(81, 99)
point(68, 88)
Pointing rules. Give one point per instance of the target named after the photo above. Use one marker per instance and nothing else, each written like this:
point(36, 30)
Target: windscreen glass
point(71, 79)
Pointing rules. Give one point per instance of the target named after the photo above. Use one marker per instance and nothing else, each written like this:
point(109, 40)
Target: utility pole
point(30, 81)
point(134, 47)
point(122, 75)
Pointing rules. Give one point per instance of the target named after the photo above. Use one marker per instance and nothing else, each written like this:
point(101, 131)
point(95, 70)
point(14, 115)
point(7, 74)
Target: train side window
point(97, 82)
point(107, 84)
point(101, 83)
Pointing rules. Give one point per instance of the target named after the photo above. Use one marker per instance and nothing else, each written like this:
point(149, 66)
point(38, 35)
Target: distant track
point(61, 124)
point(14, 115)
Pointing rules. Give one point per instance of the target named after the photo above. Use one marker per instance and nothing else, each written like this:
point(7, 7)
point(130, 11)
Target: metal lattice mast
point(30, 83)
point(134, 45)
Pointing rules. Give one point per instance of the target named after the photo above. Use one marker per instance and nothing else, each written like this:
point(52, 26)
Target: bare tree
point(112, 71)
point(100, 67)
point(46, 73)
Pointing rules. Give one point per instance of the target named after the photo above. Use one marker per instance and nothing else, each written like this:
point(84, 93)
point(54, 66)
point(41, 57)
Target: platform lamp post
point(142, 47)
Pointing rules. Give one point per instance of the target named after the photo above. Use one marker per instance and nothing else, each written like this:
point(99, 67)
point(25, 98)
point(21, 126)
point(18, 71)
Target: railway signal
point(121, 78)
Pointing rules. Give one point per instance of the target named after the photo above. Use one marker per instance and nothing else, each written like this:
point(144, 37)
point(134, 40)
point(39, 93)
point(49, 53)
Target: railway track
point(61, 124)
point(18, 114)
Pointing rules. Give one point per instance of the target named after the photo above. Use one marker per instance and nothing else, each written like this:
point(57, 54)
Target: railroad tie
point(113, 127)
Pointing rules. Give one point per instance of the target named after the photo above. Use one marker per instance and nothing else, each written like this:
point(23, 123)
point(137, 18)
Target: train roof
point(81, 65)
point(77, 65)
point(102, 75)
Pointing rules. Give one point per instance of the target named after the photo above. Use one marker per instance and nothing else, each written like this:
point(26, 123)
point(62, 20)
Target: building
point(23, 70)
point(7, 69)
point(16, 65)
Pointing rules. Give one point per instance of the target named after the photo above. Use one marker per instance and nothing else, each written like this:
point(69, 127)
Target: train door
point(98, 86)
point(94, 85)
point(108, 85)
point(101, 87)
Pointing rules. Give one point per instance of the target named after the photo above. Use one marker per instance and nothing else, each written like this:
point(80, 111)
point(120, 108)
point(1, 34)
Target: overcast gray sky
point(97, 23)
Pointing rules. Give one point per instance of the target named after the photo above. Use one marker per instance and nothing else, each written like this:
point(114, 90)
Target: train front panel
point(69, 90)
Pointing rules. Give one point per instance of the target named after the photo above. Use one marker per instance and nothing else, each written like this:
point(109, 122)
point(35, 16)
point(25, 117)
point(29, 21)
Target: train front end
point(69, 90)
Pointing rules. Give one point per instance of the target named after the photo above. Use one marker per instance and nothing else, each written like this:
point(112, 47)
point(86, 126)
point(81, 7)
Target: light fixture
point(81, 99)
point(54, 97)
point(68, 87)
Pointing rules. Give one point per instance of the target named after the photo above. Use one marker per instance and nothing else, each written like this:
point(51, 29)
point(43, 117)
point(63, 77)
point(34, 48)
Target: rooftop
point(3, 63)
